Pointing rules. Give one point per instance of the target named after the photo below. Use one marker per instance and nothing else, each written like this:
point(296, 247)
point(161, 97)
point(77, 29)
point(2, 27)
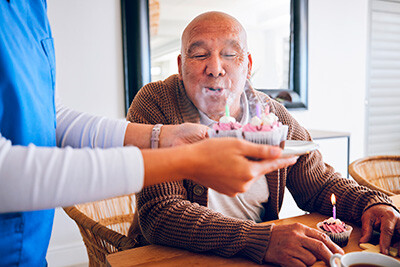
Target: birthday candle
point(258, 110)
point(334, 212)
point(333, 200)
point(227, 110)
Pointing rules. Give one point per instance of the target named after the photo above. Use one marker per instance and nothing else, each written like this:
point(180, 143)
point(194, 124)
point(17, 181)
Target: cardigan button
point(198, 190)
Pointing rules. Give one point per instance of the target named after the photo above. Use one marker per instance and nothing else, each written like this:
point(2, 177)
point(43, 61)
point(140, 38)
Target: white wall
point(88, 45)
point(337, 69)
point(89, 77)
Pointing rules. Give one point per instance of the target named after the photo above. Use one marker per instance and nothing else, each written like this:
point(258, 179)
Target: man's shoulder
point(170, 84)
point(158, 102)
point(162, 90)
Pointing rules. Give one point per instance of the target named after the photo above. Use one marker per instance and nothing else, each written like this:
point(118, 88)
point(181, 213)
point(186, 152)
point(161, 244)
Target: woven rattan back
point(104, 226)
point(378, 173)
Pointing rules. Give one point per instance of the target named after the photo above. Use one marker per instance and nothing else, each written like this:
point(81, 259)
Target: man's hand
point(299, 245)
point(230, 165)
point(186, 133)
point(383, 218)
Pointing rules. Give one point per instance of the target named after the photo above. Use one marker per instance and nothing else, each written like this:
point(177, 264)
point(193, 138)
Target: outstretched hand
point(299, 245)
point(230, 165)
point(383, 218)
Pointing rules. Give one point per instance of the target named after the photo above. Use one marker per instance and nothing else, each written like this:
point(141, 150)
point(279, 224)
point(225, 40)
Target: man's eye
point(229, 55)
point(200, 56)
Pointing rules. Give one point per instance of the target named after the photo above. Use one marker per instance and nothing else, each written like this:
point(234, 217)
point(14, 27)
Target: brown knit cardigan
point(176, 213)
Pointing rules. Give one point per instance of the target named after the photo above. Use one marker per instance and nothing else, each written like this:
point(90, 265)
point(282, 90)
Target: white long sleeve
point(34, 178)
point(77, 129)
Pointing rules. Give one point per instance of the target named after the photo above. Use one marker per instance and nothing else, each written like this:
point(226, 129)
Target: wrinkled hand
point(226, 165)
point(299, 245)
point(186, 133)
point(383, 218)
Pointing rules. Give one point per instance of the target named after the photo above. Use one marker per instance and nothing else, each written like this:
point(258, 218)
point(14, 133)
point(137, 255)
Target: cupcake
point(338, 231)
point(265, 129)
point(226, 127)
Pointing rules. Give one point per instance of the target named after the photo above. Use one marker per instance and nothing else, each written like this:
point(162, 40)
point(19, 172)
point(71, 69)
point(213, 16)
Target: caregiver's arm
point(33, 178)
point(79, 129)
point(215, 158)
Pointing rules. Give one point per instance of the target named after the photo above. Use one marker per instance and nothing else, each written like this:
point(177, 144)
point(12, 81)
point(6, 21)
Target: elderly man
point(214, 66)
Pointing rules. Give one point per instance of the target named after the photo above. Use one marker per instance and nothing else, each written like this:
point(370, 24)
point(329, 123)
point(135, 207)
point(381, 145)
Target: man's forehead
point(209, 44)
point(203, 37)
point(212, 29)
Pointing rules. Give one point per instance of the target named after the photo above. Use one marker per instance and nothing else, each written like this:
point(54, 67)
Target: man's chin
point(213, 113)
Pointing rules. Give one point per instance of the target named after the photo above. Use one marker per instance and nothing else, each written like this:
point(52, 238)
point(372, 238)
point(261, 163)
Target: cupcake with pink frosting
point(226, 127)
point(265, 128)
point(338, 231)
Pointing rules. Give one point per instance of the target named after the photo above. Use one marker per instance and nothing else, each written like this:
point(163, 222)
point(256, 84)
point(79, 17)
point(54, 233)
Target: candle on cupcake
point(227, 110)
point(258, 110)
point(333, 200)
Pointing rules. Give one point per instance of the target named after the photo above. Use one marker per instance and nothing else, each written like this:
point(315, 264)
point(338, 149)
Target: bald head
point(213, 22)
point(214, 63)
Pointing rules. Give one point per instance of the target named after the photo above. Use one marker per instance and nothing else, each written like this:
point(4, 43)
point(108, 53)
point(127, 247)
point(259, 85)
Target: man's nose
point(215, 67)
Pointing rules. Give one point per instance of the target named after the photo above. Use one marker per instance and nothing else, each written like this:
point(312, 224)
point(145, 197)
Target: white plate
point(298, 147)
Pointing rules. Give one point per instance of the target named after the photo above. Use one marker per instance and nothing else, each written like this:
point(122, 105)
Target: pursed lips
point(214, 89)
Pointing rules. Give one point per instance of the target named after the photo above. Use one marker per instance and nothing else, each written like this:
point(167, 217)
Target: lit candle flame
point(333, 199)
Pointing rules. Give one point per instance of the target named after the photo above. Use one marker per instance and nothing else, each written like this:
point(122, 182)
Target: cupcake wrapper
point(341, 239)
point(284, 132)
point(275, 137)
point(231, 133)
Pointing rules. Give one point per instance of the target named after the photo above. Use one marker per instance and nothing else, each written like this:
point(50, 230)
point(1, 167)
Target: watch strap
point(155, 136)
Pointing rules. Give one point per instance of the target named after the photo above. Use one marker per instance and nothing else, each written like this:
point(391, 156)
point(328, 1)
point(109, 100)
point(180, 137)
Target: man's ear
point(249, 65)
point(180, 66)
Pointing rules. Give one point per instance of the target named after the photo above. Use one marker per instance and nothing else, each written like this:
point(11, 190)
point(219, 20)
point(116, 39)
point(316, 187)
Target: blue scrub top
point(27, 116)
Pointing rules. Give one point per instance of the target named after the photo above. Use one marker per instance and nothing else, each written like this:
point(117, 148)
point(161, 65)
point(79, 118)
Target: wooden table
point(155, 255)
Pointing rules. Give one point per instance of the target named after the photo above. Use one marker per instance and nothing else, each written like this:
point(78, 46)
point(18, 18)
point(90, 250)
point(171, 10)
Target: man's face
point(214, 65)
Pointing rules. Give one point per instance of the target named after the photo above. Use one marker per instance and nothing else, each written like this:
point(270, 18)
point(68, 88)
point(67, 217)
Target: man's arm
point(311, 183)
point(166, 214)
point(168, 217)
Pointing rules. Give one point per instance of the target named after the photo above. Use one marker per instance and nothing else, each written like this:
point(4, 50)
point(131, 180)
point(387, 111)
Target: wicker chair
point(104, 226)
point(378, 173)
